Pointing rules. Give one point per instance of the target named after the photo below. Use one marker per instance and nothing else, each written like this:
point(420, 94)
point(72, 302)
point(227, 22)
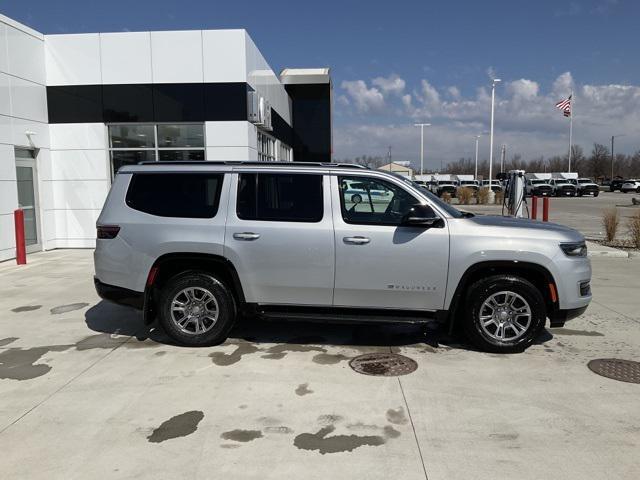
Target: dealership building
point(74, 108)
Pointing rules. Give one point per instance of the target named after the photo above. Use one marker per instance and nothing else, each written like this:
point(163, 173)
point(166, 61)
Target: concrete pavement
point(87, 391)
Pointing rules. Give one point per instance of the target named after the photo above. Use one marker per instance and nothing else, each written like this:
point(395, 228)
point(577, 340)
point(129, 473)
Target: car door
point(279, 236)
point(379, 262)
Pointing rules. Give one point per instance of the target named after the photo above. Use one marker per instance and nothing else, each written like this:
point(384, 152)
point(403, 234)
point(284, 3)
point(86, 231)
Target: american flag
point(565, 106)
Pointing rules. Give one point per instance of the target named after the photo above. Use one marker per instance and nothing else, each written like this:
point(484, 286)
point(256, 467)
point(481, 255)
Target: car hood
point(527, 227)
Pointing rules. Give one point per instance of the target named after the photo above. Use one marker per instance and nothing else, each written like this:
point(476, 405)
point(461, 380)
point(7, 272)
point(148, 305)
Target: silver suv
point(196, 245)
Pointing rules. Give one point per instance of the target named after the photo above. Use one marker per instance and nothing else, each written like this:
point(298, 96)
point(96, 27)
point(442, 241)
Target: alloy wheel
point(194, 310)
point(505, 316)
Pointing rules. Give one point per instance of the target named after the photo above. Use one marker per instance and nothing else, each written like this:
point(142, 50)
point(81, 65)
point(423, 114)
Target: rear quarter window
point(185, 195)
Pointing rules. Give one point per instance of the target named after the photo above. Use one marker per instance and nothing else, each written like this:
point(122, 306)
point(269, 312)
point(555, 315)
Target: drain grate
point(617, 369)
point(383, 364)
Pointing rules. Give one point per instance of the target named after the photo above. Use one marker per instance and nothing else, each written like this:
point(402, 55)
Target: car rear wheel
point(504, 314)
point(196, 309)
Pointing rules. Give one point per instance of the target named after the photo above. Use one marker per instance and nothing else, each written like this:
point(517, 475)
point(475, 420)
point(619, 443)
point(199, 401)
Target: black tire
point(595, 194)
point(481, 291)
point(580, 194)
point(226, 309)
point(356, 198)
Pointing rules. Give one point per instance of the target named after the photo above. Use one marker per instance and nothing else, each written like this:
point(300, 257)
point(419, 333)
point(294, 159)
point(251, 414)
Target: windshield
point(538, 182)
point(572, 181)
point(584, 180)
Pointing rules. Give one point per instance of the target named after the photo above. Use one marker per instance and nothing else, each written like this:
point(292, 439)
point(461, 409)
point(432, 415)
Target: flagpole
point(571, 127)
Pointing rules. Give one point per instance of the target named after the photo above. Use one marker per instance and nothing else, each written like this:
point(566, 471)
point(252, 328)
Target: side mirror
point(422, 216)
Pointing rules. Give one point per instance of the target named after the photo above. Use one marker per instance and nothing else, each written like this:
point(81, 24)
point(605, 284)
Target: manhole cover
point(383, 364)
point(617, 369)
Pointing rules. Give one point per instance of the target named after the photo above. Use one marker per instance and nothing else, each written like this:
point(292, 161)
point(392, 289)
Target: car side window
point(280, 197)
point(370, 201)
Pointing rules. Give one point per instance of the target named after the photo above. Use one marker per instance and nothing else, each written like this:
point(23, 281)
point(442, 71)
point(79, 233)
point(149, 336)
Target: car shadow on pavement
point(107, 317)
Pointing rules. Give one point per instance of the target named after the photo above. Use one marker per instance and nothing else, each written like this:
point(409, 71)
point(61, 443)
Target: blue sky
point(395, 63)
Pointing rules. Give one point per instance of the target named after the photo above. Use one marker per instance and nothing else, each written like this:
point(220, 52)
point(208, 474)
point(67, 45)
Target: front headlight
point(574, 249)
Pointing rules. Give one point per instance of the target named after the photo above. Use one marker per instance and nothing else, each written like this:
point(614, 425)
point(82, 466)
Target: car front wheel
point(504, 314)
point(196, 309)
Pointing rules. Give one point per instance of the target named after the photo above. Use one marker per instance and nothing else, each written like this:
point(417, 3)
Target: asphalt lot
point(87, 391)
point(582, 213)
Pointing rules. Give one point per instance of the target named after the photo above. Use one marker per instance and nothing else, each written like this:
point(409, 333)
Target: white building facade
point(74, 108)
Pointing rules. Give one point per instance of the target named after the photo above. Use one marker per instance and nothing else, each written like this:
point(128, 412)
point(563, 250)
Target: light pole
point(475, 177)
point(493, 101)
point(422, 125)
point(612, 156)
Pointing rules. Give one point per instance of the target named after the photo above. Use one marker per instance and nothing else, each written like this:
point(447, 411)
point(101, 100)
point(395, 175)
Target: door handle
point(357, 240)
point(246, 236)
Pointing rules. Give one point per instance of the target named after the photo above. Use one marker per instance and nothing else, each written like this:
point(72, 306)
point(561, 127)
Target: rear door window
point(280, 197)
point(187, 195)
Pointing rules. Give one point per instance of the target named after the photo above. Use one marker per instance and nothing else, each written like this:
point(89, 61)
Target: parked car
point(496, 185)
point(616, 184)
point(538, 188)
point(563, 187)
point(586, 186)
point(195, 245)
point(446, 186)
point(473, 185)
point(630, 186)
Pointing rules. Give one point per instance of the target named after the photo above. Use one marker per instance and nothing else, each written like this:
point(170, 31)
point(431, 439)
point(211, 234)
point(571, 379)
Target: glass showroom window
point(285, 152)
point(133, 143)
point(266, 148)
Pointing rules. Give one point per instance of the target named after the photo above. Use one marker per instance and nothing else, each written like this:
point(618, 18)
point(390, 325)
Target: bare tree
point(598, 162)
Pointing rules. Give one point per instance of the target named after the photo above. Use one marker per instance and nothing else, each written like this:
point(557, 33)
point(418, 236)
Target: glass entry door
point(28, 196)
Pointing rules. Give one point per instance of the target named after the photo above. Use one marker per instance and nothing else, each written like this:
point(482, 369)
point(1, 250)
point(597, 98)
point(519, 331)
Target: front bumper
point(546, 192)
point(559, 317)
point(119, 295)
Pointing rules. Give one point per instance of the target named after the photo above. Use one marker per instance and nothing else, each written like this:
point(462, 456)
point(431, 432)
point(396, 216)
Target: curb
point(610, 252)
point(614, 254)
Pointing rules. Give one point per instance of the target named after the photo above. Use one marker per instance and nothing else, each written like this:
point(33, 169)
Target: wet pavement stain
point(20, 364)
point(329, 358)
point(397, 416)
point(176, 427)
point(225, 359)
point(580, 333)
point(101, 340)
point(324, 444)
point(279, 351)
point(303, 389)
point(26, 308)
point(7, 341)
point(229, 445)
point(67, 308)
point(241, 435)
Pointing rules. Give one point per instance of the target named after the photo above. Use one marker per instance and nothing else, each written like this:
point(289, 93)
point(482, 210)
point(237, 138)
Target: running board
point(344, 316)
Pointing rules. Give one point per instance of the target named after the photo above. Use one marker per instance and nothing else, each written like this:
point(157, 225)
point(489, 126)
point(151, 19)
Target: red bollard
point(534, 207)
point(545, 209)
point(21, 249)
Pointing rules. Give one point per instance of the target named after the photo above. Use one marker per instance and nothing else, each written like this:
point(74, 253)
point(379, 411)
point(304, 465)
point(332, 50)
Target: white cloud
point(365, 99)
point(523, 89)
point(563, 84)
point(526, 119)
point(392, 84)
point(430, 96)
point(454, 93)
